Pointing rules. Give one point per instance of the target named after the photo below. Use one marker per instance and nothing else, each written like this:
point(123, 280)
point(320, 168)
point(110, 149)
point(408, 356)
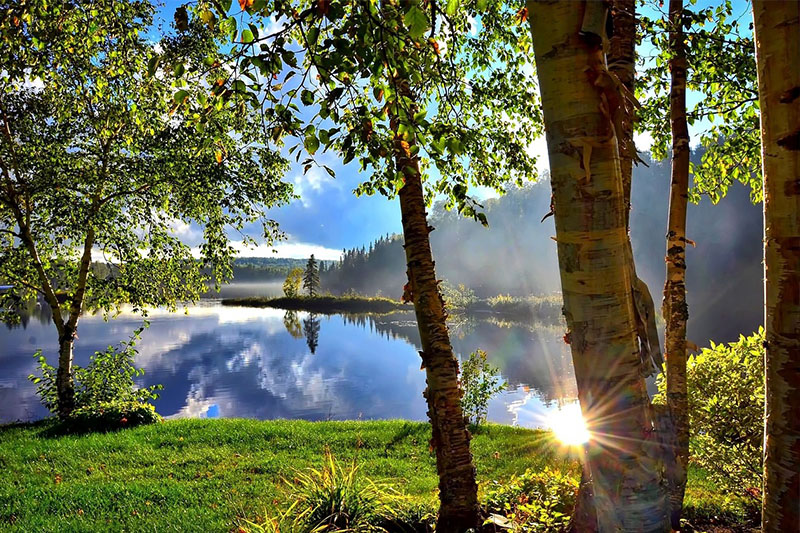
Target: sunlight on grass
point(568, 425)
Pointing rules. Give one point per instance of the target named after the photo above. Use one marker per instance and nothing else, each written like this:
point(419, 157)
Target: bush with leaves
point(480, 383)
point(106, 416)
point(726, 412)
point(533, 502)
point(457, 297)
point(106, 385)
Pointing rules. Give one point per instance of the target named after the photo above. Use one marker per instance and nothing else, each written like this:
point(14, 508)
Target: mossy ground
point(206, 475)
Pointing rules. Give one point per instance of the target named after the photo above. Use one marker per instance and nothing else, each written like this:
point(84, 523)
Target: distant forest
point(516, 255)
point(269, 268)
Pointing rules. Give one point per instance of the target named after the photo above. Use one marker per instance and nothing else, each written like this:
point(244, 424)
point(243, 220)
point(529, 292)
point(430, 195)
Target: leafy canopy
point(722, 84)
point(103, 164)
point(468, 109)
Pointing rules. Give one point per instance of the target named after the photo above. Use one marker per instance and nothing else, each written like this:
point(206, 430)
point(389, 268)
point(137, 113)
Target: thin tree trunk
point(458, 490)
point(65, 387)
point(777, 35)
point(622, 63)
point(675, 309)
point(578, 100)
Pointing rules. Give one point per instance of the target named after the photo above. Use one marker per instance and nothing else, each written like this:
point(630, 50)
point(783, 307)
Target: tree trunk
point(622, 63)
point(777, 35)
point(675, 309)
point(458, 490)
point(579, 100)
point(65, 386)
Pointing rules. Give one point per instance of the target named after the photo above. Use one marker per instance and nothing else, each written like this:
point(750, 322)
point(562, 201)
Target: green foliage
point(291, 287)
point(726, 412)
point(335, 498)
point(480, 383)
point(107, 416)
point(470, 110)
point(105, 157)
point(108, 379)
point(458, 297)
point(532, 502)
point(722, 82)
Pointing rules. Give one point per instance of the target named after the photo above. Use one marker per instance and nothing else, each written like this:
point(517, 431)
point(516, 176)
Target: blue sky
point(329, 217)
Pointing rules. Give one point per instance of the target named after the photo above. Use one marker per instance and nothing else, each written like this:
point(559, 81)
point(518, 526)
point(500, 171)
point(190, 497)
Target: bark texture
point(581, 101)
point(777, 34)
point(458, 490)
point(675, 308)
point(622, 63)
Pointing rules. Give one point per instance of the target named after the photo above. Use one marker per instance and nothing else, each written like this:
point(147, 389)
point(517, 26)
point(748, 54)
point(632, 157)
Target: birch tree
point(581, 104)
point(99, 164)
point(675, 308)
point(400, 88)
point(777, 36)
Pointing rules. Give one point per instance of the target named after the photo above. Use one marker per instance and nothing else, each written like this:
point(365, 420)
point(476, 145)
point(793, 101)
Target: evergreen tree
point(311, 276)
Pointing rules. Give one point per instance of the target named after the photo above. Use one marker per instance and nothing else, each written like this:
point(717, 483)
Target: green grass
point(324, 304)
point(204, 475)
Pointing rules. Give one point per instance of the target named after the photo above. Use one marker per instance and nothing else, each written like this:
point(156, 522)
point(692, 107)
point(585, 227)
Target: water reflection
point(311, 331)
point(261, 363)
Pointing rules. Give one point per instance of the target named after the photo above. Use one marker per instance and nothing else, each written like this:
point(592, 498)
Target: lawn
point(206, 475)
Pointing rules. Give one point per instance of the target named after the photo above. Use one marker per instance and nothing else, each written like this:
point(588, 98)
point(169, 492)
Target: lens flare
point(568, 425)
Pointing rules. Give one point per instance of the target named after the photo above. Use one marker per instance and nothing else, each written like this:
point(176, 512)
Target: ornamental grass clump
point(336, 498)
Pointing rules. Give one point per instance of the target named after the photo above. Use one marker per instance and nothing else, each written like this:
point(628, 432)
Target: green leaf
point(307, 97)
point(416, 21)
point(247, 36)
point(152, 65)
point(181, 96)
point(312, 36)
point(311, 143)
point(452, 6)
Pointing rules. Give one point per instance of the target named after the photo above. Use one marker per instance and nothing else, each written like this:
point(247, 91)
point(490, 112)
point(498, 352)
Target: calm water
point(217, 361)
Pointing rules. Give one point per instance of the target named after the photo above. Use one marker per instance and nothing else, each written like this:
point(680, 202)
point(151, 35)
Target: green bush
point(109, 378)
point(726, 412)
point(107, 416)
point(533, 502)
point(480, 383)
point(457, 298)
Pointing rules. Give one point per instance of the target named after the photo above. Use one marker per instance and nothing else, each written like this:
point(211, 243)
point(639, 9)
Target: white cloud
point(305, 183)
point(293, 250)
point(643, 141)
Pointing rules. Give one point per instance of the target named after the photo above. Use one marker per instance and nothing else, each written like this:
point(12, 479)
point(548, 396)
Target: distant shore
point(327, 305)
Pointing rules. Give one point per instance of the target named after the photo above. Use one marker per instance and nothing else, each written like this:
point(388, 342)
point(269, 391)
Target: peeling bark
point(580, 100)
point(458, 490)
point(777, 35)
point(675, 308)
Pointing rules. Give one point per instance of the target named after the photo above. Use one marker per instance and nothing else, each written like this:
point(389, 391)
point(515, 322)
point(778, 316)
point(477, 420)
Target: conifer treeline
point(371, 270)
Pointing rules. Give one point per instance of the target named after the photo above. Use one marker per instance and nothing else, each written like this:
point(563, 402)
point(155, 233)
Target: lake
point(217, 361)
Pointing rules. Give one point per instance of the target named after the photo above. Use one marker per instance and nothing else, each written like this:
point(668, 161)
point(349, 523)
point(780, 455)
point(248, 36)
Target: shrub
point(458, 297)
point(726, 412)
point(291, 287)
point(533, 502)
point(480, 383)
point(107, 416)
point(109, 378)
point(336, 499)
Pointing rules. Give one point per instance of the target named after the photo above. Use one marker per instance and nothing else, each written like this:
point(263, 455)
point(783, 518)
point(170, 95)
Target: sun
point(568, 425)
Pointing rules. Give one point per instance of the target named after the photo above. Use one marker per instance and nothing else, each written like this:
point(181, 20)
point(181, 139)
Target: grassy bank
point(205, 475)
point(324, 304)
